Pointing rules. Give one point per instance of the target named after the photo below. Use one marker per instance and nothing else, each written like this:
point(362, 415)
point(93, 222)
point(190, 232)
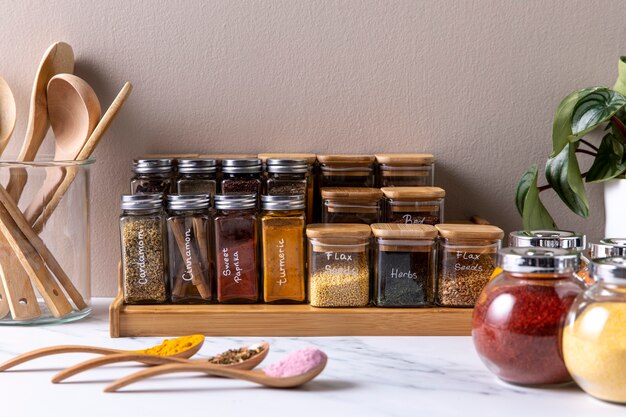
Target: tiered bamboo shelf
point(265, 320)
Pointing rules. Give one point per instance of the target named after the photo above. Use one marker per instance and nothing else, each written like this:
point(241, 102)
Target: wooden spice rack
point(285, 320)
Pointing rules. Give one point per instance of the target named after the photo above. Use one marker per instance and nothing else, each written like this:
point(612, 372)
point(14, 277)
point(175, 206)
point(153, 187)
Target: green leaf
point(609, 162)
point(563, 174)
point(534, 214)
point(620, 84)
point(581, 112)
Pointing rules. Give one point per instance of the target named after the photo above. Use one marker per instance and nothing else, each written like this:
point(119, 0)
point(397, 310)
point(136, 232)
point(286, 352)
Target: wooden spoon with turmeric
point(244, 359)
point(182, 347)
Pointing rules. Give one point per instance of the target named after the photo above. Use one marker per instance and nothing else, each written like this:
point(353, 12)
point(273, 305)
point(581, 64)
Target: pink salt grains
point(296, 363)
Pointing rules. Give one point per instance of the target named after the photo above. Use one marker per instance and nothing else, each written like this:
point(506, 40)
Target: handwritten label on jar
point(188, 275)
point(396, 273)
point(340, 263)
point(408, 219)
point(141, 256)
point(468, 262)
point(282, 270)
point(233, 260)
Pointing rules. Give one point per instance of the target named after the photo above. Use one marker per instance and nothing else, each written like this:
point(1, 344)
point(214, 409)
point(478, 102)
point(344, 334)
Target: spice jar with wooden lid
point(518, 319)
point(405, 170)
point(241, 176)
point(284, 254)
point(351, 205)
point(346, 170)
point(197, 176)
point(152, 175)
point(188, 243)
point(564, 239)
point(594, 337)
point(235, 231)
point(413, 205)
point(339, 265)
point(467, 260)
point(404, 265)
point(143, 248)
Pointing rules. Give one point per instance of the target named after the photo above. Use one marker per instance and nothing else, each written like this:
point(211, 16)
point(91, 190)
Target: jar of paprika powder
point(519, 316)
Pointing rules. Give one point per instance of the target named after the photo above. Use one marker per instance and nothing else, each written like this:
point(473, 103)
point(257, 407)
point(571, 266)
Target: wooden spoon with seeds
point(255, 355)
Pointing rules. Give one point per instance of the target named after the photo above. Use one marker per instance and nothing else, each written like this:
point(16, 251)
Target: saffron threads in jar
point(143, 263)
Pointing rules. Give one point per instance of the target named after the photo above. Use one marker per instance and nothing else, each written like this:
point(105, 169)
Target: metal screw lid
point(132, 202)
point(188, 201)
point(611, 270)
point(153, 166)
point(564, 239)
point(282, 202)
point(287, 166)
point(608, 248)
point(197, 166)
point(235, 201)
point(242, 166)
point(538, 260)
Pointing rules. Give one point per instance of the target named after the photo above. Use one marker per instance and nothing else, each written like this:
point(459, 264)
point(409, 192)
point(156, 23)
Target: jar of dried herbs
point(564, 239)
point(188, 244)
point(142, 243)
point(235, 230)
point(467, 260)
point(284, 254)
point(594, 337)
point(405, 170)
point(346, 170)
point(339, 265)
point(404, 265)
point(241, 176)
point(310, 160)
point(413, 205)
point(351, 205)
point(518, 319)
point(197, 176)
point(152, 175)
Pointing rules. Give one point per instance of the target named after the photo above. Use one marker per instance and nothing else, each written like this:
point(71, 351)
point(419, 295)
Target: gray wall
point(474, 82)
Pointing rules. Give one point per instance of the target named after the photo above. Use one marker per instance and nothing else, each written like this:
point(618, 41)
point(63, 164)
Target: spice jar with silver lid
point(241, 176)
point(197, 176)
point(282, 224)
point(594, 337)
point(405, 170)
point(467, 260)
point(152, 175)
point(519, 316)
point(143, 249)
point(236, 243)
point(188, 243)
point(564, 239)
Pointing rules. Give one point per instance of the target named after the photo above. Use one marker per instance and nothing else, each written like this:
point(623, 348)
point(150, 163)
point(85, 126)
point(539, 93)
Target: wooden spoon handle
point(54, 350)
point(114, 358)
point(253, 376)
point(4, 303)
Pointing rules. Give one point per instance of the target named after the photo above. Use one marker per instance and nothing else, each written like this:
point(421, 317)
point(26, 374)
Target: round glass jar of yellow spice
point(594, 338)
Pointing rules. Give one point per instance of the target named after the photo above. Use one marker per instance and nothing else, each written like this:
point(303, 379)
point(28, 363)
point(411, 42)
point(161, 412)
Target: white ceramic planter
point(615, 208)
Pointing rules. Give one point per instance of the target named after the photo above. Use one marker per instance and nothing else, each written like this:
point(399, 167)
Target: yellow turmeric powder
point(174, 346)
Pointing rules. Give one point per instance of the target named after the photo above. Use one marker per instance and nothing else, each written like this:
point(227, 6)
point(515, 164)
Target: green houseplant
point(579, 114)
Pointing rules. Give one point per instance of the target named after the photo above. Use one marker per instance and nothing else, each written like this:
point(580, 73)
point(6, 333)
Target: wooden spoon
point(58, 59)
point(56, 350)
point(7, 114)
point(85, 153)
point(259, 377)
point(74, 112)
point(247, 364)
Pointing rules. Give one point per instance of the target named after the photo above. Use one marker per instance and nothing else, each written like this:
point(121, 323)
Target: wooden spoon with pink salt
point(293, 370)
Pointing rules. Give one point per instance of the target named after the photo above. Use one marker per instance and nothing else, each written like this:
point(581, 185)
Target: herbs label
point(397, 274)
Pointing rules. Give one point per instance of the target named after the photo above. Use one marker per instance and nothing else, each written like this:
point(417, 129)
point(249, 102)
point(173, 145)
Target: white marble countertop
point(377, 376)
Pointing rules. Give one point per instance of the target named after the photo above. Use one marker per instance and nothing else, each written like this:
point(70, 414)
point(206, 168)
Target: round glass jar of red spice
point(519, 316)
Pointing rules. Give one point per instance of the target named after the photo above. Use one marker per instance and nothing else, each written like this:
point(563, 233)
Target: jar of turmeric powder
point(594, 338)
point(282, 239)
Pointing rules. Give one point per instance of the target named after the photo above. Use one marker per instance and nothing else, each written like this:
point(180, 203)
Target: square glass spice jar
point(346, 170)
point(351, 205)
point(405, 170)
point(339, 268)
point(152, 175)
point(197, 176)
point(241, 176)
point(404, 265)
point(467, 261)
point(413, 205)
